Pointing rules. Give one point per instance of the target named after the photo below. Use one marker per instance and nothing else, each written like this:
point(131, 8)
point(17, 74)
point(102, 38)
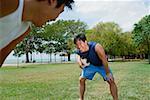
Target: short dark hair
point(68, 3)
point(80, 37)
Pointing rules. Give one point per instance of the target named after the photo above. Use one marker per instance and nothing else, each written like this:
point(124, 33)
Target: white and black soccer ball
point(85, 62)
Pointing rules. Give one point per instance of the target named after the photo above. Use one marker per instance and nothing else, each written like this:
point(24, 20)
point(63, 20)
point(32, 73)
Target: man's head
point(81, 43)
point(67, 3)
point(49, 10)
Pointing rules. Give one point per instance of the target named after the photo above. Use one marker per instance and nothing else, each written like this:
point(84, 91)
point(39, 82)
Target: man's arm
point(79, 61)
point(101, 53)
point(6, 50)
point(8, 6)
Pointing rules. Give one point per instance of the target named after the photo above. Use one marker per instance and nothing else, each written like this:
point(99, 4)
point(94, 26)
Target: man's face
point(82, 46)
point(48, 12)
point(55, 12)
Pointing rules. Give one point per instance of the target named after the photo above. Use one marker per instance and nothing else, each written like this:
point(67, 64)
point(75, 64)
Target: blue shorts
point(89, 72)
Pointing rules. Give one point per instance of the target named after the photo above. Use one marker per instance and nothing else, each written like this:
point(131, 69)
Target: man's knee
point(82, 80)
point(111, 82)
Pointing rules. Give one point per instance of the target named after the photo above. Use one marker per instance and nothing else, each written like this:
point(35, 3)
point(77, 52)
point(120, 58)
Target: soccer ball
point(85, 63)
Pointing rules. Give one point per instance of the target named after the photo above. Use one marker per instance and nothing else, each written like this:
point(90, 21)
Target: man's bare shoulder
point(8, 6)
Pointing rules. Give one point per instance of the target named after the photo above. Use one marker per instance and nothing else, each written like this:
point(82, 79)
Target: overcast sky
point(123, 12)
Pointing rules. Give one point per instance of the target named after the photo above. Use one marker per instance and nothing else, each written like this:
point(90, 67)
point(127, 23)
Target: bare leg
point(113, 89)
point(82, 88)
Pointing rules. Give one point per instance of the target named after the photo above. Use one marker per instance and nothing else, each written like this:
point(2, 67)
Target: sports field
point(60, 82)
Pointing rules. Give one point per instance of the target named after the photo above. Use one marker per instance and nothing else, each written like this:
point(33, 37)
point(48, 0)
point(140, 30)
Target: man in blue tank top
point(92, 59)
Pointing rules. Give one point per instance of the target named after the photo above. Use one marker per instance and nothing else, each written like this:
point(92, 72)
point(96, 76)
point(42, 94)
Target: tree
point(141, 34)
point(62, 32)
point(51, 38)
point(72, 28)
point(49, 49)
point(126, 44)
point(107, 34)
point(25, 47)
point(29, 43)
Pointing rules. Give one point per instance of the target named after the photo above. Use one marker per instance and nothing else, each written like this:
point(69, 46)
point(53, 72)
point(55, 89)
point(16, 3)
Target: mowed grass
point(60, 82)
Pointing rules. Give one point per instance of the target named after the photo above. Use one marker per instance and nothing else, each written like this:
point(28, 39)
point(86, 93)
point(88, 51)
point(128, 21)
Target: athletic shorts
point(88, 72)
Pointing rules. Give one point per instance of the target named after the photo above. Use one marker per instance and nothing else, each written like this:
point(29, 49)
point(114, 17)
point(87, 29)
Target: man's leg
point(82, 87)
point(113, 89)
point(111, 82)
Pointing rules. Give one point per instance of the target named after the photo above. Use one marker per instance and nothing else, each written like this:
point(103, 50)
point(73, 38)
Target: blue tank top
point(91, 55)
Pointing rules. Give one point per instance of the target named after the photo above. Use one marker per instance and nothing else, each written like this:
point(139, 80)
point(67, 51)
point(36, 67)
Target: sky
point(123, 12)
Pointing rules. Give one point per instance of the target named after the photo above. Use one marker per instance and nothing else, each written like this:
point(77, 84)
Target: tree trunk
point(50, 57)
point(123, 58)
point(55, 58)
point(69, 57)
point(61, 59)
point(148, 44)
point(27, 57)
point(31, 57)
point(149, 53)
point(41, 58)
point(149, 58)
point(17, 62)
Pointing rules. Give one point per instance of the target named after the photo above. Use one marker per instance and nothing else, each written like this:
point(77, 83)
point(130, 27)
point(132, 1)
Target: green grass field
point(60, 82)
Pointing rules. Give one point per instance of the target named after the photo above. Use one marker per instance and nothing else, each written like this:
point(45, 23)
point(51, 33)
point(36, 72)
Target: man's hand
point(82, 62)
point(109, 77)
point(82, 66)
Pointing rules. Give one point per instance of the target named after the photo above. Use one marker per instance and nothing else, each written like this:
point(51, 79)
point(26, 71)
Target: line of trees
point(51, 38)
point(58, 37)
point(134, 44)
point(115, 42)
